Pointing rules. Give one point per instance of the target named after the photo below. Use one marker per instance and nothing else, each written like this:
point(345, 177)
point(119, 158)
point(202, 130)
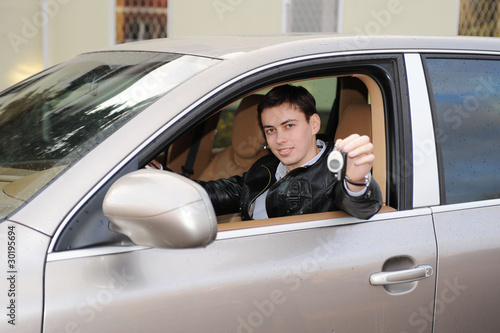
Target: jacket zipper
point(263, 190)
point(267, 186)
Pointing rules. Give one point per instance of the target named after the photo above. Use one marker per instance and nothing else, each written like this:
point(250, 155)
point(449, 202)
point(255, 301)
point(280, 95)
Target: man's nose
point(280, 137)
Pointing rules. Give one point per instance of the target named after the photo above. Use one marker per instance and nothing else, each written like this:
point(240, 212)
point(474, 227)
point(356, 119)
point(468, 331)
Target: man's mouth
point(285, 151)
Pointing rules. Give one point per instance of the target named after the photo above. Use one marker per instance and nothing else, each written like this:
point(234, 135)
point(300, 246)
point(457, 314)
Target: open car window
point(231, 140)
point(192, 147)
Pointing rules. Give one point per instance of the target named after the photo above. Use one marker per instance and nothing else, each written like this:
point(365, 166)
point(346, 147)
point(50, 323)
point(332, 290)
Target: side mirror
point(160, 209)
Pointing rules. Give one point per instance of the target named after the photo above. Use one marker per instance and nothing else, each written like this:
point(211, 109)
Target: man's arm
point(225, 194)
point(360, 160)
point(363, 206)
point(358, 178)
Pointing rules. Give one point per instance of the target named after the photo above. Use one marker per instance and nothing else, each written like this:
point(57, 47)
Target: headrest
point(247, 137)
point(356, 118)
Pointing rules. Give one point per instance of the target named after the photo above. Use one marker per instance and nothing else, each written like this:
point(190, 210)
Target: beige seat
point(356, 119)
point(178, 153)
point(247, 143)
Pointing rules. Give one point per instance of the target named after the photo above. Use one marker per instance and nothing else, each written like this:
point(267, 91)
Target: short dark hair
point(288, 94)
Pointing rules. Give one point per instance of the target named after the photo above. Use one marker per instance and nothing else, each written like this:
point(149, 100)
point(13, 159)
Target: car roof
point(232, 46)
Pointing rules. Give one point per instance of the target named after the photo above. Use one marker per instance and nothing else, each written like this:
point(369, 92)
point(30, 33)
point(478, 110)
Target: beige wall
point(224, 17)
point(80, 26)
point(37, 37)
point(34, 38)
point(235, 17)
point(21, 42)
point(404, 17)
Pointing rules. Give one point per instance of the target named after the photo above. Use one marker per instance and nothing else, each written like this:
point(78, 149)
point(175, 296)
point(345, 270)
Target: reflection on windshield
point(52, 119)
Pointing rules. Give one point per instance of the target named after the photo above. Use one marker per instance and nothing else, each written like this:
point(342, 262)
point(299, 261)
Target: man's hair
point(297, 96)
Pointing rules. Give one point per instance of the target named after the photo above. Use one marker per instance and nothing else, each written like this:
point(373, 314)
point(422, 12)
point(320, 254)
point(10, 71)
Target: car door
point(314, 278)
point(465, 98)
point(325, 272)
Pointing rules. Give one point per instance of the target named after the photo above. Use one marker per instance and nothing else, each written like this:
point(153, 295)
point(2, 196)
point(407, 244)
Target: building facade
point(40, 33)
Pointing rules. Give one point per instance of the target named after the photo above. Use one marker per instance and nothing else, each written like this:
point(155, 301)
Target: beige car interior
point(357, 116)
point(178, 152)
point(247, 144)
point(361, 110)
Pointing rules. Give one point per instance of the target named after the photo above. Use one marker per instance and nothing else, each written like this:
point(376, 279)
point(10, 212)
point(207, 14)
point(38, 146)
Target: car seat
point(356, 118)
point(247, 143)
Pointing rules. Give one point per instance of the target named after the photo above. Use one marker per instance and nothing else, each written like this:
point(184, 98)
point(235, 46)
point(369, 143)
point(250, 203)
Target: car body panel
point(469, 268)
point(303, 280)
point(24, 251)
point(275, 48)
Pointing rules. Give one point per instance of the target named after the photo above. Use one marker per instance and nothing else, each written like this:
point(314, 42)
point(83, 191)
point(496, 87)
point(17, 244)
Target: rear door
point(465, 94)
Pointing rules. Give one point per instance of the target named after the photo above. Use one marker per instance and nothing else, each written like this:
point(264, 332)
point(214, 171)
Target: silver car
point(95, 239)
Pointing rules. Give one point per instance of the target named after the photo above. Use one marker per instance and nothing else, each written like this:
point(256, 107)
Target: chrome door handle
point(402, 276)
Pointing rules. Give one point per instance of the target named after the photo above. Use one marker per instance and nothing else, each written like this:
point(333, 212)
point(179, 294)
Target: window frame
point(384, 68)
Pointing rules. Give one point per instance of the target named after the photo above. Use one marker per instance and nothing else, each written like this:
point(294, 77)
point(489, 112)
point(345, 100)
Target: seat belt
point(187, 168)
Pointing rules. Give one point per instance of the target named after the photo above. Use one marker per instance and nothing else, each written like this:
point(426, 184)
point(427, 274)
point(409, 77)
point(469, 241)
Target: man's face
point(290, 136)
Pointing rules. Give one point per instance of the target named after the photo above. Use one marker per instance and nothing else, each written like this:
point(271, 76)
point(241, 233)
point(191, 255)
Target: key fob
point(337, 162)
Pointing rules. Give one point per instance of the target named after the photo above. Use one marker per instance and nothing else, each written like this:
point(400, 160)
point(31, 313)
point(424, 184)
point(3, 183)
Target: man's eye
point(269, 131)
point(289, 125)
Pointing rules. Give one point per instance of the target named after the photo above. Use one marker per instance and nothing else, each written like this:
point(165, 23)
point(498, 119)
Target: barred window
point(479, 18)
point(140, 20)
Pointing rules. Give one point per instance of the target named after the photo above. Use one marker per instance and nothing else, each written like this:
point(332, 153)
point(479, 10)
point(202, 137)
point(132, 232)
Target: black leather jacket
point(304, 190)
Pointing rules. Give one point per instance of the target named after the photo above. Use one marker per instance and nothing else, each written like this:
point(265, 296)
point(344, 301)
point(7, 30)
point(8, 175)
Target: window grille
point(140, 20)
point(479, 18)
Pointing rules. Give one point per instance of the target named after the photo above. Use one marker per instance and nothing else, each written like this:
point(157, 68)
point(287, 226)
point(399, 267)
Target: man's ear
point(315, 122)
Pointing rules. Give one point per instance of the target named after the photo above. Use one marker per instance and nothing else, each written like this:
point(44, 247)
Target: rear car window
point(466, 99)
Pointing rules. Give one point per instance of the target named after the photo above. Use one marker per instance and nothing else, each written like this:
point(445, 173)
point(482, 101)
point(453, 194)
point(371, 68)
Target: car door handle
point(402, 276)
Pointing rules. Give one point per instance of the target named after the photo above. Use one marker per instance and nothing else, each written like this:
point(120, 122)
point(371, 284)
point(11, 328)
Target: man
point(295, 179)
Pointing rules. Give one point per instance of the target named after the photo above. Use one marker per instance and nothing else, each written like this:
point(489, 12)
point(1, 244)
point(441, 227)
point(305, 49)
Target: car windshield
point(52, 119)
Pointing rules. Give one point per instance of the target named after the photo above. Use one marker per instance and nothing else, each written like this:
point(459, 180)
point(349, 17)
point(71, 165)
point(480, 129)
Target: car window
point(466, 96)
point(54, 118)
point(217, 152)
point(323, 90)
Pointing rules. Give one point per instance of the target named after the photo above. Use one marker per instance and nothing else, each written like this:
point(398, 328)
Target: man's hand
point(360, 158)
